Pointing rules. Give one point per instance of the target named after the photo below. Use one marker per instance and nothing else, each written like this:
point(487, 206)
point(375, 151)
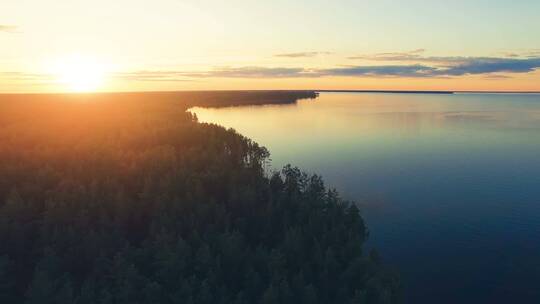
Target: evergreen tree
point(134, 201)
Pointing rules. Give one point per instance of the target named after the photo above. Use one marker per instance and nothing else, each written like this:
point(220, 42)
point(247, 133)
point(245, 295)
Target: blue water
point(449, 184)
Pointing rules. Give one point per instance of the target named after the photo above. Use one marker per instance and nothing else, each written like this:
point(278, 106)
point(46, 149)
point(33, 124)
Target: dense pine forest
point(126, 198)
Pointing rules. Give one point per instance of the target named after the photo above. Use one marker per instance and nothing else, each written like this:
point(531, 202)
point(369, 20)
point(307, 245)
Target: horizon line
point(285, 90)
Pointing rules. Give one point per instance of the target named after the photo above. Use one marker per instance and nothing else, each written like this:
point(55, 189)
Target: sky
point(135, 45)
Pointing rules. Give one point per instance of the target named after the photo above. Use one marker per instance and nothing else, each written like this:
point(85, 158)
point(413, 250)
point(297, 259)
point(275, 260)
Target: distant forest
point(127, 198)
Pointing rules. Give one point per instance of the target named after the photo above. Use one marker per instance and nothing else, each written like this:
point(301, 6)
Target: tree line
point(135, 201)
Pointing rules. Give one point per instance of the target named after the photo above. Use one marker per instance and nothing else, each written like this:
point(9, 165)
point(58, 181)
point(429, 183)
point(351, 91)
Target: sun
point(80, 74)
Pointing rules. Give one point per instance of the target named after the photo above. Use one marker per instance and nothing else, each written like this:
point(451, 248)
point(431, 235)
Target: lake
point(449, 185)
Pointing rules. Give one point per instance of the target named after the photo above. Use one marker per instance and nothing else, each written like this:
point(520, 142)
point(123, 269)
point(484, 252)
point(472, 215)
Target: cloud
point(532, 53)
point(172, 76)
point(302, 54)
point(412, 57)
point(259, 72)
point(492, 68)
point(487, 65)
point(221, 72)
point(416, 56)
point(256, 72)
point(448, 66)
point(422, 67)
point(496, 77)
point(415, 70)
point(511, 55)
point(27, 78)
point(392, 56)
point(8, 28)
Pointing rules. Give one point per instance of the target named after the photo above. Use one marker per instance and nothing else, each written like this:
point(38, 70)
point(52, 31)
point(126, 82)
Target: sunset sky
point(135, 45)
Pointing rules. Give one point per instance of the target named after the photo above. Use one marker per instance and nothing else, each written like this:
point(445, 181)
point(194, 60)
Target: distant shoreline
point(188, 99)
point(385, 91)
point(426, 92)
point(6, 94)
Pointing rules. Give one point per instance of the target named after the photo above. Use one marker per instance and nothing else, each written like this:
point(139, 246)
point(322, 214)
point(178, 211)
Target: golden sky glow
point(75, 45)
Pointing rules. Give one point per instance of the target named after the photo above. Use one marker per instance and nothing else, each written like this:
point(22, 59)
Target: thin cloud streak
point(302, 54)
point(415, 70)
point(391, 56)
point(164, 76)
point(257, 72)
point(22, 76)
point(27, 78)
point(8, 28)
point(416, 56)
point(496, 77)
point(222, 72)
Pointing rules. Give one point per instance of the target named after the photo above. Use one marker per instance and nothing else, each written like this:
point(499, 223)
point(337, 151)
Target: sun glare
point(80, 74)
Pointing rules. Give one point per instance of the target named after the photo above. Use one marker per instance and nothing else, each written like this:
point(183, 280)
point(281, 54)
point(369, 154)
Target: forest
point(127, 198)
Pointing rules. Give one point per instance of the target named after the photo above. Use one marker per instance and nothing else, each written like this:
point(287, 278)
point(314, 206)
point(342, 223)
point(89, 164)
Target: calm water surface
point(449, 184)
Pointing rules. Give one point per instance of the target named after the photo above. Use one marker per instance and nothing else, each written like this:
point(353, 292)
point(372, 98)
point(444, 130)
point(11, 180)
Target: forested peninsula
point(126, 198)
